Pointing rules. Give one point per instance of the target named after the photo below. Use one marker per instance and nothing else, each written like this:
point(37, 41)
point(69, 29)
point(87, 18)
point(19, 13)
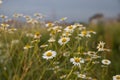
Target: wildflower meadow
point(39, 50)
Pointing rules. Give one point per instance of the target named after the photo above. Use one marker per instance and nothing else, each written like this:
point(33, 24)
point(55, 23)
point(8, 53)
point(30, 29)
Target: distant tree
point(97, 16)
point(118, 18)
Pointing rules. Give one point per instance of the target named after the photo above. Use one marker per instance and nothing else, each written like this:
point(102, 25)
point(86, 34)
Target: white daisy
point(29, 35)
point(91, 31)
point(63, 40)
point(14, 41)
point(76, 61)
point(49, 54)
point(84, 34)
point(70, 28)
point(27, 47)
point(91, 53)
point(100, 46)
point(66, 34)
point(106, 61)
point(3, 16)
point(63, 19)
point(50, 24)
point(37, 35)
point(51, 40)
point(117, 77)
point(82, 76)
point(43, 46)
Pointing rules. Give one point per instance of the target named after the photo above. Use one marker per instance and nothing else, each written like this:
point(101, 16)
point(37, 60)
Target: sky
point(74, 10)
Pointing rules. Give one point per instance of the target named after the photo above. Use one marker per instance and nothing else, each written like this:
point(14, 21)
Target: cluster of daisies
point(65, 34)
point(62, 37)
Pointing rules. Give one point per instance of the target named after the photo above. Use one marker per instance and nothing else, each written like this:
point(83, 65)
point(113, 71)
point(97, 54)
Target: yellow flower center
point(100, 46)
point(37, 34)
point(49, 54)
point(70, 27)
point(118, 77)
point(77, 60)
point(4, 25)
point(67, 33)
point(27, 46)
point(64, 40)
point(50, 24)
point(106, 61)
point(92, 53)
point(84, 32)
point(91, 31)
point(53, 32)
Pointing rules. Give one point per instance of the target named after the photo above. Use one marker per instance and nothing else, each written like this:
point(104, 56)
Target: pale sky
point(75, 10)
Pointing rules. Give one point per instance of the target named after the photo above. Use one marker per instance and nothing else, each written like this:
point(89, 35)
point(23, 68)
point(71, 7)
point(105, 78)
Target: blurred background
point(75, 10)
point(103, 16)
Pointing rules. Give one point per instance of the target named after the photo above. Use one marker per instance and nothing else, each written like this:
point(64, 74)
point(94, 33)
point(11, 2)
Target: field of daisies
point(39, 50)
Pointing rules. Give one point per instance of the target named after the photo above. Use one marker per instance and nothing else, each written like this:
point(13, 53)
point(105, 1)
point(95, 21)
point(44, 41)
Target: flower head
point(43, 46)
point(100, 46)
point(84, 33)
point(51, 40)
point(27, 47)
point(37, 35)
point(63, 40)
point(106, 61)
point(12, 30)
point(50, 25)
point(49, 54)
point(82, 76)
point(91, 53)
point(117, 77)
point(70, 28)
point(63, 19)
point(76, 61)
point(3, 16)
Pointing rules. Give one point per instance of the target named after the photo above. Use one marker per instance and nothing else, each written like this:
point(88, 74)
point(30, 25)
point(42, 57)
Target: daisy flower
point(91, 53)
point(27, 47)
point(117, 77)
point(50, 25)
point(32, 21)
point(63, 19)
point(51, 40)
point(63, 40)
point(35, 41)
point(84, 34)
point(37, 35)
point(43, 46)
point(100, 46)
point(3, 16)
point(70, 28)
point(49, 54)
point(82, 76)
point(12, 30)
point(57, 28)
point(37, 14)
point(91, 31)
point(16, 15)
point(67, 34)
point(5, 25)
point(14, 41)
point(106, 62)
point(76, 61)
point(29, 35)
